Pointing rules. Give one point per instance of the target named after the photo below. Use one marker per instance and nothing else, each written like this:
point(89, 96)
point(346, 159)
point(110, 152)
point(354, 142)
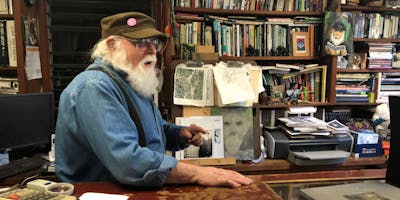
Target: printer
point(279, 145)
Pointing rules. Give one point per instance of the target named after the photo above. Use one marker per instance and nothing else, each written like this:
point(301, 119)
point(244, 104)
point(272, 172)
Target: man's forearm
point(182, 173)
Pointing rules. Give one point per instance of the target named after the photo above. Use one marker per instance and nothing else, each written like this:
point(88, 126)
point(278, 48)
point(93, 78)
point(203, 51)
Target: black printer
point(279, 145)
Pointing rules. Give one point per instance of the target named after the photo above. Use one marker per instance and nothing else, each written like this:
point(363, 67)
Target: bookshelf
point(367, 40)
point(39, 12)
point(186, 12)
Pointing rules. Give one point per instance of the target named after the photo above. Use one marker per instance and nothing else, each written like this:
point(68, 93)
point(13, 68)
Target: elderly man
point(96, 137)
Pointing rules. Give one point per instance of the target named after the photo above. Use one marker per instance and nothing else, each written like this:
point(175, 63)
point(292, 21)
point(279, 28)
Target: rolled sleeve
point(157, 177)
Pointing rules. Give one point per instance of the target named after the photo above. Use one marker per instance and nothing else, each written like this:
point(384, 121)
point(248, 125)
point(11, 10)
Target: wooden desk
point(260, 189)
point(267, 166)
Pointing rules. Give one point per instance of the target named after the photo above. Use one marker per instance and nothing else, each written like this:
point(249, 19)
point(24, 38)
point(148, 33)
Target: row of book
point(270, 5)
point(376, 25)
point(251, 38)
point(388, 85)
point(8, 48)
point(380, 55)
point(6, 7)
point(353, 87)
point(285, 84)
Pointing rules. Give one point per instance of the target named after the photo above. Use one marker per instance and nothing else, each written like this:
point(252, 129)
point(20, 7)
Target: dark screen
point(393, 165)
point(26, 120)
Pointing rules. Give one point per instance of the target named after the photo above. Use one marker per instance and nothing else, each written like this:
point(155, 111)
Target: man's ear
point(110, 43)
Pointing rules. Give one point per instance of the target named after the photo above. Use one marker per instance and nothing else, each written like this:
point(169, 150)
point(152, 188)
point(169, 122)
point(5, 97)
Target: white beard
point(335, 41)
point(142, 79)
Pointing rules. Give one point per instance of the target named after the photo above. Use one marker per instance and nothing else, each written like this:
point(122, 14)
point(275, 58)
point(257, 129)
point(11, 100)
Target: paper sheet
point(233, 84)
point(32, 63)
point(193, 86)
point(101, 196)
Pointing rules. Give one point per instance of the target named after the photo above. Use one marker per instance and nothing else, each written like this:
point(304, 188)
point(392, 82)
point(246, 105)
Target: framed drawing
point(213, 140)
point(301, 44)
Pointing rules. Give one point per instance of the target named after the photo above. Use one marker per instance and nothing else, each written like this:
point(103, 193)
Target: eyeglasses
point(143, 44)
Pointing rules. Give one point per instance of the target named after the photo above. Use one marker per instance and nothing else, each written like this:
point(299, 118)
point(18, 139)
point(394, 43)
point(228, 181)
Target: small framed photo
point(301, 44)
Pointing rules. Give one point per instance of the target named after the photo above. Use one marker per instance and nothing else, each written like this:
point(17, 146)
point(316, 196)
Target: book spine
point(11, 43)
point(3, 43)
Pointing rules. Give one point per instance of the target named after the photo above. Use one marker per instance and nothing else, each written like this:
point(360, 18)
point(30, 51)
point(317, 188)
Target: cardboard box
point(366, 138)
point(368, 150)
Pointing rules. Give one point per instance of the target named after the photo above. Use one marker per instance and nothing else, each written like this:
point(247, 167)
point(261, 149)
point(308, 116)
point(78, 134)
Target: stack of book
point(388, 85)
point(303, 126)
point(380, 55)
point(8, 85)
point(353, 87)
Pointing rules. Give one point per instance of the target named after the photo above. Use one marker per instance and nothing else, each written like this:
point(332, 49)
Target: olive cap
point(134, 25)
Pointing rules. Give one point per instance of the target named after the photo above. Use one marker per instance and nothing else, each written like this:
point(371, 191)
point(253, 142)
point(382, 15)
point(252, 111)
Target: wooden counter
point(260, 189)
point(267, 166)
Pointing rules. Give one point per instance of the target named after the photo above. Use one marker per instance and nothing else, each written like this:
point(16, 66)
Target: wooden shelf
point(317, 104)
point(283, 105)
point(354, 104)
point(265, 58)
point(224, 12)
point(277, 58)
point(6, 16)
point(375, 40)
point(366, 70)
point(369, 8)
point(6, 68)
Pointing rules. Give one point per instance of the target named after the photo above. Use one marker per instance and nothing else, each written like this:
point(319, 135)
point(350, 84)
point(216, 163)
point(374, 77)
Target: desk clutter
point(235, 83)
point(306, 140)
point(27, 193)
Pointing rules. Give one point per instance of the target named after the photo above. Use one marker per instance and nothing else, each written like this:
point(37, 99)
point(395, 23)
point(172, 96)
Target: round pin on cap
point(131, 22)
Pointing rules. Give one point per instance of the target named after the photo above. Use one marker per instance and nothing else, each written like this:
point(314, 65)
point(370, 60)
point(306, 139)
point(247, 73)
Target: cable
point(28, 178)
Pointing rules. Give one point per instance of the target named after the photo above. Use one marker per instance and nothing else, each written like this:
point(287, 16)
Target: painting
point(238, 131)
point(338, 33)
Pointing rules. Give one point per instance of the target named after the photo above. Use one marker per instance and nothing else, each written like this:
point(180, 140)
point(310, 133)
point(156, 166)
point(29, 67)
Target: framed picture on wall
point(301, 44)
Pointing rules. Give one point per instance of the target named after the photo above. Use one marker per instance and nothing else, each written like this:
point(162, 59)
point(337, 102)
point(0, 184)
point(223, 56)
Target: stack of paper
point(193, 86)
point(304, 125)
point(336, 127)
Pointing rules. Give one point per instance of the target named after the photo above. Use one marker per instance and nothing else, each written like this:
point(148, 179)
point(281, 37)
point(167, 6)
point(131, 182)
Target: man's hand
point(185, 173)
point(193, 134)
point(212, 176)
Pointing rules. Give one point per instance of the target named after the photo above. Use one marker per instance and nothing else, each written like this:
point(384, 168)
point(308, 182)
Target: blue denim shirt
point(96, 140)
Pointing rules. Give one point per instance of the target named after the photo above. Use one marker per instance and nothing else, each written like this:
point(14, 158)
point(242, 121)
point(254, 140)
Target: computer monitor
point(393, 168)
point(26, 120)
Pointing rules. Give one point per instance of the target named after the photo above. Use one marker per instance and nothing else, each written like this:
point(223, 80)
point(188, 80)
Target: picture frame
point(213, 139)
point(301, 44)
